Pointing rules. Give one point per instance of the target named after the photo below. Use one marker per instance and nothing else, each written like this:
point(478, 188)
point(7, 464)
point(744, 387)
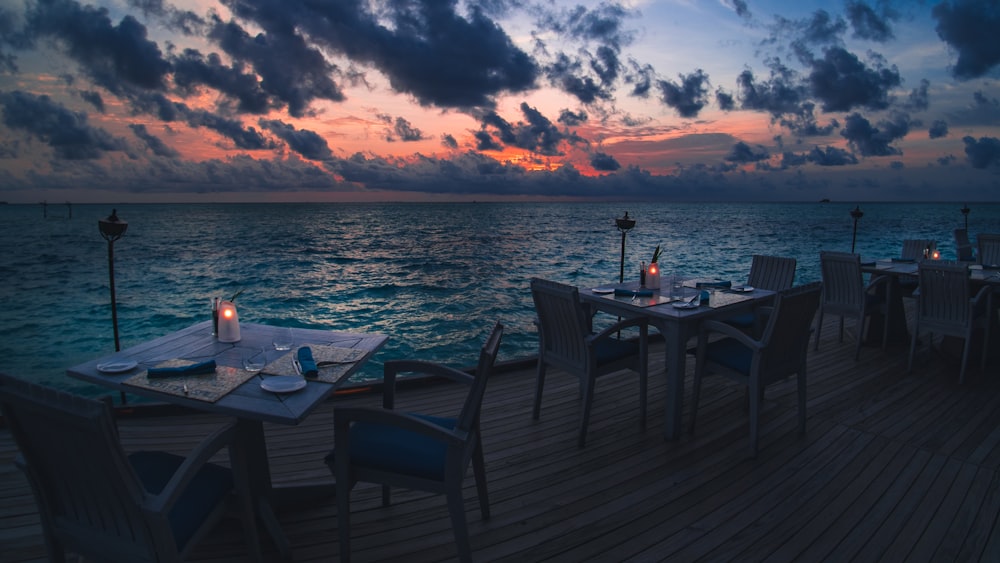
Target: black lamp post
point(624, 224)
point(112, 228)
point(857, 214)
point(965, 212)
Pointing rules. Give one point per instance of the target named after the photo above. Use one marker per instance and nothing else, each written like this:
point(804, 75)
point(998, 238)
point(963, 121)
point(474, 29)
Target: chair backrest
point(88, 495)
point(913, 249)
point(944, 298)
point(963, 248)
point(774, 273)
point(989, 249)
point(469, 416)
point(562, 323)
point(789, 327)
point(843, 284)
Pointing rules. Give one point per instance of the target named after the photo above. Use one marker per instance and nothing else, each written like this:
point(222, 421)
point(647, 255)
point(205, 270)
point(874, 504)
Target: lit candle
point(653, 276)
point(936, 254)
point(229, 322)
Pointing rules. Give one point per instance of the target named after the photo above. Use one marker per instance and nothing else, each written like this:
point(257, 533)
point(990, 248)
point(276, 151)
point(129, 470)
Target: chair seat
point(610, 350)
point(388, 448)
point(730, 353)
point(207, 489)
point(745, 320)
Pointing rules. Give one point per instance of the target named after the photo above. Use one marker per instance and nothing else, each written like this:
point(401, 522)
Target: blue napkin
point(208, 366)
point(306, 362)
point(633, 292)
point(715, 284)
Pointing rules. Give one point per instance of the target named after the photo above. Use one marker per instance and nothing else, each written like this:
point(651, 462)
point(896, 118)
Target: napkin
point(307, 363)
point(208, 366)
point(715, 284)
point(634, 292)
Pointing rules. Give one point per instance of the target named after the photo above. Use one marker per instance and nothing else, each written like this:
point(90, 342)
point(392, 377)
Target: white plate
point(117, 367)
point(603, 290)
point(685, 305)
point(282, 383)
point(743, 288)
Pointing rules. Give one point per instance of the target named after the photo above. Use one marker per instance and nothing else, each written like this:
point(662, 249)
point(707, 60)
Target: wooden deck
point(894, 467)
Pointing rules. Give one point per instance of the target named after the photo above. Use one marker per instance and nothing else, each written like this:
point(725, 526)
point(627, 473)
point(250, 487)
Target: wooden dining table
point(231, 390)
point(675, 325)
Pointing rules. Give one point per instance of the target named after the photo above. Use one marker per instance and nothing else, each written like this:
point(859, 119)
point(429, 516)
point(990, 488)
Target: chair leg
point(841, 338)
point(588, 399)
point(819, 327)
point(965, 357)
point(539, 384)
point(802, 400)
point(456, 508)
point(754, 394)
point(696, 392)
point(479, 470)
point(344, 512)
point(913, 346)
point(858, 337)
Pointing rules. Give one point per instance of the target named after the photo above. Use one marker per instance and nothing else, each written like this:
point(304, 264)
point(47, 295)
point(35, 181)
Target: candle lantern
point(229, 322)
point(653, 276)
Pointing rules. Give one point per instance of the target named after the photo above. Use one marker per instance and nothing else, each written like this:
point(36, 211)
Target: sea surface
point(433, 277)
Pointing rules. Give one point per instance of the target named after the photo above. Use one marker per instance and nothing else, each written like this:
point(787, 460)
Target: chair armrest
point(641, 322)
point(708, 327)
point(876, 281)
point(199, 456)
point(343, 417)
point(981, 299)
point(392, 368)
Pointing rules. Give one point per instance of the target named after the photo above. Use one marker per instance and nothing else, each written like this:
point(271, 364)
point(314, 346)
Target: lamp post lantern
point(112, 228)
point(965, 213)
point(624, 224)
point(856, 213)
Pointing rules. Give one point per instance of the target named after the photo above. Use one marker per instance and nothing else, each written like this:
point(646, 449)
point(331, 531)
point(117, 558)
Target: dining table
point(676, 321)
point(277, 393)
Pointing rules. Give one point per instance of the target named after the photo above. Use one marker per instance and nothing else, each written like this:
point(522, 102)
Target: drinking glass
point(254, 360)
point(676, 289)
point(282, 339)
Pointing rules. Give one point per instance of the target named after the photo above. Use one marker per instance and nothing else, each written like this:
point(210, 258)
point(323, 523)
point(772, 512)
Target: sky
point(499, 100)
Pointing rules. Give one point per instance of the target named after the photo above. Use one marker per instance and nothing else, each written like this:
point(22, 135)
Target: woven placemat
point(723, 298)
point(341, 361)
point(208, 387)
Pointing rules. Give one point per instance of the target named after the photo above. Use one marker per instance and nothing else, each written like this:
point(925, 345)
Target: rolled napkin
point(714, 284)
point(306, 362)
point(634, 292)
point(208, 366)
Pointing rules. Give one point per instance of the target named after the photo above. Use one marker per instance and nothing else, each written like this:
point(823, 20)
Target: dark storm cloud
point(725, 100)
point(175, 19)
point(406, 131)
point(110, 54)
point(970, 27)
point(572, 119)
point(982, 153)
point(567, 74)
point(842, 82)
point(604, 162)
point(790, 159)
point(688, 97)
point(486, 142)
point(305, 142)
point(538, 134)
point(159, 105)
point(743, 153)
point(781, 94)
point(152, 142)
point(919, 100)
point(938, 129)
point(819, 29)
point(426, 49)
point(830, 156)
point(803, 123)
point(66, 132)
point(603, 24)
point(868, 140)
point(869, 24)
point(290, 69)
point(192, 69)
point(94, 99)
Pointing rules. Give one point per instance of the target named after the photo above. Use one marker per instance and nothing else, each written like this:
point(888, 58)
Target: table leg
point(254, 454)
point(674, 341)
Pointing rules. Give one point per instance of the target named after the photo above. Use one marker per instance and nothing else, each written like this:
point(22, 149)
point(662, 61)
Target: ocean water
point(433, 277)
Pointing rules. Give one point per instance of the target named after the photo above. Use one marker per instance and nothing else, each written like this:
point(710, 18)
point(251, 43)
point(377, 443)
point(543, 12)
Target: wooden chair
point(914, 249)
point(988, 246)
point(945, 306)
point(414, 451)
point(779, 353)
point(845, 294)
point(963, 248)
point(101, 504)
point(565, 342)
point(774, 273)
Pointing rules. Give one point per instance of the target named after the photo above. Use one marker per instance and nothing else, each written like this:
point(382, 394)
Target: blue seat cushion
point(612, 349)
point(730, 353)
point(388, 448)
point(210, 486)
point(744, 320)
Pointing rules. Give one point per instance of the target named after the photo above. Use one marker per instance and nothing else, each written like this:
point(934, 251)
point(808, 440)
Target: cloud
point(842, 82)
point(192, 69)
point(688, 97)
point(66, 132)
point(571, 118)
point(740, 7)
point(781, 94)
point(982, 153)
point(306, 143)
point(869, 24)
point(970, 27)
point(830, 156)
point(152, 142)
point(604, 162)
point(744, 153)
point(567, 74)
point(938, 129)
point(919, 100)
point(875, 141)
